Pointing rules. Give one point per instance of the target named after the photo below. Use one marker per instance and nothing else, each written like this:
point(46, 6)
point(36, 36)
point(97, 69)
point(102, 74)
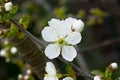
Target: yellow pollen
point(61, 41)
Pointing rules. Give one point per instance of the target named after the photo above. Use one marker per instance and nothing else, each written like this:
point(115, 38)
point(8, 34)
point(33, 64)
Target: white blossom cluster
point(63, 35)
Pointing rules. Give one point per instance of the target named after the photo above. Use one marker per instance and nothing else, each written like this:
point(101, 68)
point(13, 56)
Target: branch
point(29, 35)
point(80, 71)
point(101, 45)
point(81, 62)
point(30, 50)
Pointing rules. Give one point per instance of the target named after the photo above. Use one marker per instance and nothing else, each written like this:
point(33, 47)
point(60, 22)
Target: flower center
point(61, 41)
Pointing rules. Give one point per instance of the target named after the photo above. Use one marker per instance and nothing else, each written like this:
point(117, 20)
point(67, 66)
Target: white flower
point(3, 53)
point(62, 36)
point(97, 77)
point(114, 65)
point(13, 50)
point(67, 78)
point(51, 72)
point(8, 6)
point(20, 76)
point(29, 71)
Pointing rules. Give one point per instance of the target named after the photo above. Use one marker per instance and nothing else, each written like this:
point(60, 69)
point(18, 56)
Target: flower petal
point(52, 51)
point(78, 25)
point(69, 53)
point(74, 38)
point(54, 22)
point(70, 20)
point(47, 77)
point(61, 27)
point(67, 78)
point(48, 34)
point(50, 68)
point(64, 29)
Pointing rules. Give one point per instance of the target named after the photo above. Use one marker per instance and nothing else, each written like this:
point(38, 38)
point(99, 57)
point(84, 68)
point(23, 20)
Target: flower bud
point(13, 50)
point(28, 71)
point(113, 66)
point(20, 77)
point(78, 26)
point(8, 6)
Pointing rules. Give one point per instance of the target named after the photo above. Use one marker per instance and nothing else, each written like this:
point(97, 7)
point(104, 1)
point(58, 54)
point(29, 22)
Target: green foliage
point(97, 72)
point(60, 13)
point(14, 10)
point(9, 15)
point(82, 14)
point(71, 72)
point(13, 31)
point(97, 12)
point(24, 21)
point(107, 75)
point(91, 21)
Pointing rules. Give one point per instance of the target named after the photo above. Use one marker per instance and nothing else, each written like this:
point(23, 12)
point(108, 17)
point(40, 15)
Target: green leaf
point(98, 12)
point(25, 21)
point(91, 21)
point(108, 73)
point(14, 10)
point(59, 75)
point(12, 33)
point(97, 72)
point(70, 71)
point(81, 14)
point(60, 12)
point(21, 35)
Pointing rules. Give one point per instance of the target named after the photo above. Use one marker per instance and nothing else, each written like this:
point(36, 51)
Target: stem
point(28, 34)
point(80, 71)
point(81, 62)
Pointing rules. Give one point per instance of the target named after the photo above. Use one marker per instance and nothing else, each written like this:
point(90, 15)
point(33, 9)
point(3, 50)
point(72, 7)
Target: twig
point(28, 34)
point(102, 44)
point(81, 62)
point(80, 71)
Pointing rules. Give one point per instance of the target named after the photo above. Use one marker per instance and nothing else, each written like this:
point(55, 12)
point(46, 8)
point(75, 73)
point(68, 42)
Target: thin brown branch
point(81, 62)
point(28, 34)
point(79, 70)
point(101, 45)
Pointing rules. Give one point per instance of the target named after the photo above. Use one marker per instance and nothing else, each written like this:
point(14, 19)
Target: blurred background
point(100, 45)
